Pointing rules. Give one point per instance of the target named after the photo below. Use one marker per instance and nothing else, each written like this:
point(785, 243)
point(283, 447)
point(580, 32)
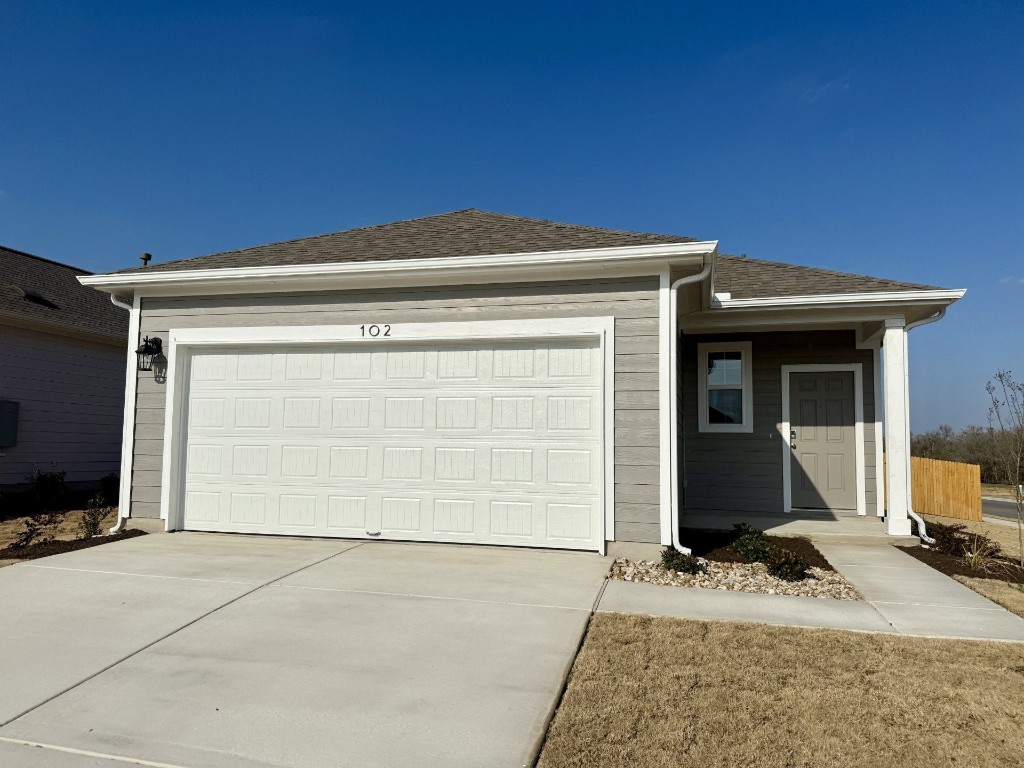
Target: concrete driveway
point(213, 650)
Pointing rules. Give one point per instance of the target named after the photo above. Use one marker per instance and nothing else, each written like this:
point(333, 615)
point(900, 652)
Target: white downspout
point(129, 410)
point(673, 422)
point(922, 530)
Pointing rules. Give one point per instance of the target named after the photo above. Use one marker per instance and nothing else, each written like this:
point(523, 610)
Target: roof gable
point(42, 292)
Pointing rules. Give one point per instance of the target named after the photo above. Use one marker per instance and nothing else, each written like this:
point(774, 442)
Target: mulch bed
point(715, 545)
point(34, 551)
point(1000, 568)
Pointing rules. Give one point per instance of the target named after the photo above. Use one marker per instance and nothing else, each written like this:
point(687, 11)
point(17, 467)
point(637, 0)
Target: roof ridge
point(48, 261)
point(570, 225)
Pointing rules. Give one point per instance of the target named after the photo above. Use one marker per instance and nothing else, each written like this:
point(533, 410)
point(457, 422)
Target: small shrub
point(92, 517)
point(980, 553)
point(36, 531)
point(674, 560)
point(48, 490)
point(110, 486)
point(787, 566)
point(751, 544)
point(950, 539)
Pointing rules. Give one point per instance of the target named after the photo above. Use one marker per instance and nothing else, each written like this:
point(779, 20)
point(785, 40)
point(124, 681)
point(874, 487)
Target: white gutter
point(833, 299)
point(596, 257)
point(922, 530)
point(124, 493)
point(673, 421)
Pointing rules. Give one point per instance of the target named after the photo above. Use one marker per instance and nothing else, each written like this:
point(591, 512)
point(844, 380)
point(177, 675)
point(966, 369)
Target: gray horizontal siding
point(743, 472)
point(71, 404)
point(633, 302)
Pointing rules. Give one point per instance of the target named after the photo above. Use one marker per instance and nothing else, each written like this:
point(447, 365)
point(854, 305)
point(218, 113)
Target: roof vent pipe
point(144, 258)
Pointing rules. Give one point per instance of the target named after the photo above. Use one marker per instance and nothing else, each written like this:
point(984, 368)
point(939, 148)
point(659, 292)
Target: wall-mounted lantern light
point(148, 351)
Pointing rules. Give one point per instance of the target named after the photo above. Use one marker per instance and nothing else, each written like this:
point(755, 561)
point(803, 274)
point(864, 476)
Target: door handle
point(792, 439)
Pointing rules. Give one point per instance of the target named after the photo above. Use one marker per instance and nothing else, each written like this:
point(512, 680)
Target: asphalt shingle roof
point(472, 232)
point(44, 292)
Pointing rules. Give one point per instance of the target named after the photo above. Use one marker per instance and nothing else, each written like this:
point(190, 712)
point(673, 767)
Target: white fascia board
point(495, 267)
point(846, 299)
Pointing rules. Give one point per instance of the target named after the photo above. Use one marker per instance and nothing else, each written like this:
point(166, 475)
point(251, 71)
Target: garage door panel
point(486, 442)
point(524, 466)
point(506, 412)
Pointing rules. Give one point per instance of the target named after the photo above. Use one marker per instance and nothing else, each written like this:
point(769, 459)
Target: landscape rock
point(737, 577)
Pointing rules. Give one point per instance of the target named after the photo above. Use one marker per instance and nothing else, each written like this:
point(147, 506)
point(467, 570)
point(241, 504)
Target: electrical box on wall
point(8, 423)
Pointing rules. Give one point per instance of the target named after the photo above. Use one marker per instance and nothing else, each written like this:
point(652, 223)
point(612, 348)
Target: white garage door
point(492, 442)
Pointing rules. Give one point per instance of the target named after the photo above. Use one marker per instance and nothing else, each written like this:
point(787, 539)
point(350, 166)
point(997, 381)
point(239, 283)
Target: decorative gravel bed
point(738, 577)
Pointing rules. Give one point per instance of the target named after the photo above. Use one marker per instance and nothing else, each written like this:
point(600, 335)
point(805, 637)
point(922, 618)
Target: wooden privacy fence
point(945, 488)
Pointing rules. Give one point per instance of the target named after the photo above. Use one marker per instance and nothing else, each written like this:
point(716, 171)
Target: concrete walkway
point(901, 595)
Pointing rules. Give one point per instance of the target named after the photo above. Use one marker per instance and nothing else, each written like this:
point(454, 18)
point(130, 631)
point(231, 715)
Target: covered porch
point(784, 406)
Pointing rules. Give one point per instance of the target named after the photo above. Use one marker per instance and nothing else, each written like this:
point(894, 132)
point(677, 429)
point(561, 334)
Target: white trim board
point(493, 267)
point(182, 342)
point(858, 408)
point(131, 383)
point(833, 299)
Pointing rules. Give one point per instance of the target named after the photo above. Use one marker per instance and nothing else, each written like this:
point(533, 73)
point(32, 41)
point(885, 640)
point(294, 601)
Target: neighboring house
point(62, 373)
point(478, 377)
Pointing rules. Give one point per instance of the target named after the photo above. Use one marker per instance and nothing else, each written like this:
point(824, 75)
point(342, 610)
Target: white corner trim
point(833, 299)
point(744, 348)
point(608, 433)
point(667, 489)
point(858, 414)
point(396, 268)
point(183, 341)
point(131, 374)
point(879, 396)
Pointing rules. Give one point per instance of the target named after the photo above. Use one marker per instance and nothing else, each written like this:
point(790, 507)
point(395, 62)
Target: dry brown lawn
point(1005, 536)
point(65, 530)
point(671, 693)
point(998, 491)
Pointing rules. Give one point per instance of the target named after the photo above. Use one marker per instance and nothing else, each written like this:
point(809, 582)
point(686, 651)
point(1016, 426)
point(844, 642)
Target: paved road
point(998, 508)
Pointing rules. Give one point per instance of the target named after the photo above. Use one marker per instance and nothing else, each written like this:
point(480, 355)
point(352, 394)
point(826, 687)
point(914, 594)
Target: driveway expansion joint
point(87, 753)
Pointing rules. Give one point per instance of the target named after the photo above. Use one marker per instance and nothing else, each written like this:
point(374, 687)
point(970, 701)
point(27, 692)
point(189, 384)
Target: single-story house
point(62, 373)
point(480, 377)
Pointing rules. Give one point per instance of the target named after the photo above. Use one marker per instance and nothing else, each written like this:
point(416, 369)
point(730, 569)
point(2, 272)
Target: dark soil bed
point(48, 548)
point(716, 545)
point(1000, 569)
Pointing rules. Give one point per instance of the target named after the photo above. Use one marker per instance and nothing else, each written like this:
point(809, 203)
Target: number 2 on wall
point(375, 330)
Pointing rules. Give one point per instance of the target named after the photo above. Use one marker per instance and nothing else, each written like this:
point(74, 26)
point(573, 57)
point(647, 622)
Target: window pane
point(725, 406)
point(725, 368)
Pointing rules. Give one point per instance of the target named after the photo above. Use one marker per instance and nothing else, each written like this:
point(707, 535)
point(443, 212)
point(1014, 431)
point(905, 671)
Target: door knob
point(792, 438)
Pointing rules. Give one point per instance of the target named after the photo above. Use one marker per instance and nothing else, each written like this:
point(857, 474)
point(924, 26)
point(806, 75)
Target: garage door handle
point(371, 533)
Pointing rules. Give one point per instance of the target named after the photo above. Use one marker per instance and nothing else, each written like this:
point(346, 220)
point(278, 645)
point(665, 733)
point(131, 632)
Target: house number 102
point(375, 330)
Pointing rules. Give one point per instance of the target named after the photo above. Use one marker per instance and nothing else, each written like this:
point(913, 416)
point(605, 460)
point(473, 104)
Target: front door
point(823, 444)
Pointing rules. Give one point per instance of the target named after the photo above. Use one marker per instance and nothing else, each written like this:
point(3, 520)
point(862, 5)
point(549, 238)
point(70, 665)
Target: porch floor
point(813, 525)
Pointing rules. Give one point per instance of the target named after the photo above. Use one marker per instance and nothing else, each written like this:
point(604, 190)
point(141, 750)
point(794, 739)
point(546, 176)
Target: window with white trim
point(725, 390)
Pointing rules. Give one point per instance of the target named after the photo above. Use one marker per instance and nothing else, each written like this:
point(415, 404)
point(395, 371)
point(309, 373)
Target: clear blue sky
point(881, 138)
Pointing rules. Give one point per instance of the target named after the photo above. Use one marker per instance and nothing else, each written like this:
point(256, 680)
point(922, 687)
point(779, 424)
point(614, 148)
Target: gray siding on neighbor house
point(633, 302)
point(71, 404)
point(743, 472)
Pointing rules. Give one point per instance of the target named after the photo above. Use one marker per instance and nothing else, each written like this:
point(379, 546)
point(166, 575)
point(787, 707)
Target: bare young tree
point(1006, 419)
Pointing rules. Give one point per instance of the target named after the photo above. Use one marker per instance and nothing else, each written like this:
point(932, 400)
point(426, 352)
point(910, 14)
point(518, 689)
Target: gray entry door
point(823, 440)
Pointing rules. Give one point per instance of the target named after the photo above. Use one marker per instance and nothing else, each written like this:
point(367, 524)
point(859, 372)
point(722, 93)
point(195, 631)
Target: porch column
point(897, 428)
